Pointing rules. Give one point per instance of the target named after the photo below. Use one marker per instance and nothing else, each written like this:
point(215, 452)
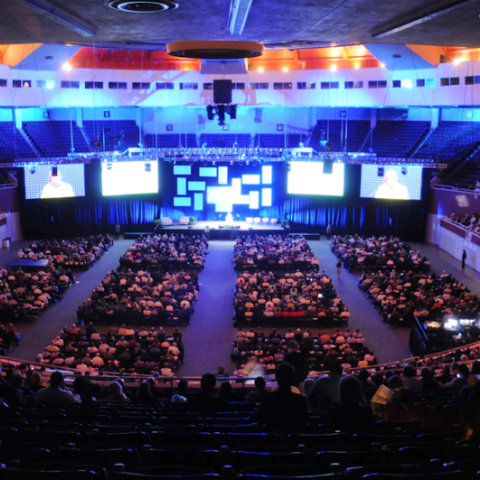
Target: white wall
point(364, 97)
point(454, 245)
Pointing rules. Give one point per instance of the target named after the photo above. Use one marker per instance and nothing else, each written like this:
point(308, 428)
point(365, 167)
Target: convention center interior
point(239, 240)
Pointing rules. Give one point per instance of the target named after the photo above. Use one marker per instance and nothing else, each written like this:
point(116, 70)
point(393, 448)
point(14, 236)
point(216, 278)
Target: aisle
point(208, 338)
point(388, 344)
point(37, 335)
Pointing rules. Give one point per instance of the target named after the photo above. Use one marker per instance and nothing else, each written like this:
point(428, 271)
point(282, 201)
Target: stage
point(217, 230)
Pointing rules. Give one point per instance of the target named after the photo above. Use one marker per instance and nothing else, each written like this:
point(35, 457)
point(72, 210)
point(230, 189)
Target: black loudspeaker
point(327, 167)
point(222, 91)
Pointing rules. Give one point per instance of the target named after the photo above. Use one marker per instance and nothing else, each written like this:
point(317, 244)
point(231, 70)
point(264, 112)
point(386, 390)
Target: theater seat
point(143, 476)
point(282, 470)
point(357, 473)
point(457, 475)
point(22, 474)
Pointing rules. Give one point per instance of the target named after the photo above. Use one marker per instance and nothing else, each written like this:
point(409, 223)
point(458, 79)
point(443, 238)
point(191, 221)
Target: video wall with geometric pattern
point(211, 191)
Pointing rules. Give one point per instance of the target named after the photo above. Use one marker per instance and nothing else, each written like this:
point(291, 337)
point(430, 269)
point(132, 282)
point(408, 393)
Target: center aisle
point(39, 334)
point(208, 338)
point(388, 344)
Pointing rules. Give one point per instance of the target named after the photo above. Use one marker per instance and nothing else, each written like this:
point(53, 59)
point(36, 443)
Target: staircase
point(31, 143)
point(420, 143)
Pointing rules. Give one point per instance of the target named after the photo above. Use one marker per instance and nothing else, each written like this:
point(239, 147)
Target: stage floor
point(218, 225)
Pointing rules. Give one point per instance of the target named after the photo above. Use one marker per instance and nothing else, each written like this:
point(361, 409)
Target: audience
point(359, 252)
point(143, 351)
point(75, 252)
point(300, 296)
point(273, 252)
point(24, 294)
point(162, 251)
point(142, 297)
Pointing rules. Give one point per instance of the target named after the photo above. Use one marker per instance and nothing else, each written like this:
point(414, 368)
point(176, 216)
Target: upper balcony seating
point(12, 143)
point(54, 138)
point(171, 140)
point(115, 134)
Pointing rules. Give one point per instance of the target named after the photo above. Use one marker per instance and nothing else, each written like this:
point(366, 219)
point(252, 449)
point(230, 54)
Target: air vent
point(142, 6)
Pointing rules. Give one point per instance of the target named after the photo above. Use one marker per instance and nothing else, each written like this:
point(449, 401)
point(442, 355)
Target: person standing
point(329, 232)
point(117, 231)
point(339, 268)
point(464, 257)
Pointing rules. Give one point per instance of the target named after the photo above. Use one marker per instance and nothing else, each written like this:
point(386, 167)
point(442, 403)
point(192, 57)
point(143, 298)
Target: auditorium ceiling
point(292, 24)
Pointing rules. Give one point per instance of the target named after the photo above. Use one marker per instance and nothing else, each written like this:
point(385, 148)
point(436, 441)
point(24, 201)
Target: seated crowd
point(24, 294)
point(287, 297)
point(469, 221)
point(273, 252)
point(309, 353)
point(400, 296)
point(139, 297)
point(143, 351)
point(74, 252)
point(359, 252)
point(166, 251)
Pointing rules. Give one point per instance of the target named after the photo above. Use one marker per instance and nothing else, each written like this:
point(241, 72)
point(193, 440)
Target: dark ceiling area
point(291, 24)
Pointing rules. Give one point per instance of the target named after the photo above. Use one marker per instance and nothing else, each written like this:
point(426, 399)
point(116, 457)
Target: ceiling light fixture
point(142, 6)
point(261, 69)
point(285, 69)
point(237, 17)
point(357, 66)
point(67, 67)
point(333, 68)
point(416, 18)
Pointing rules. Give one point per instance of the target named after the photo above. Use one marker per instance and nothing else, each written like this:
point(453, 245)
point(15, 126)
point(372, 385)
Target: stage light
point(357, 66)
point(333, 68)
point(67, 67)
point(210, 112)
point(261, 69)
point(49, 84)
point(382, 65)
point(458, 60)
point(285, 69)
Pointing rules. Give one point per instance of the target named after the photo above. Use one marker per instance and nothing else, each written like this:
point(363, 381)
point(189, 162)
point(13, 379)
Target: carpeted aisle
point(208, 338)
point(388, 344)
point(37, 336)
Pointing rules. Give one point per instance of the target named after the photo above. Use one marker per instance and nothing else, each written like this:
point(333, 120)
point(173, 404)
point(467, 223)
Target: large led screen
point(310, 178)
point(49, 181)
point(392, 182)
point(129, 178)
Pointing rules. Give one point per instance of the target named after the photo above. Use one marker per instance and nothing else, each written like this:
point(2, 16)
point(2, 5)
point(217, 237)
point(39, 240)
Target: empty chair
point(457, 475)
point(170, 439)
point(249, 219)
point(242, 459)
point(357, 473)
point(274, 221)
point(104, 457)
point(124, 439)
point(54, 437)
point(352, 459)
point(237, 439)
point(257, 220)
point(320, 476)
point(143, 476)
point(265, 220)
point(24, 454)
point(317, 439)
point(282, 470)
point(172, 470)
point(192, 457)
point(100, 471)
point(22, 474)
point(447, 453)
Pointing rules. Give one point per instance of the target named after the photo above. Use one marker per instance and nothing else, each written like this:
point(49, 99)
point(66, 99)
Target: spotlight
point(285, 69)
point(333, 68)
point(458, 60)
point(221, 114)
point(148, 167)
point(382, 65)
point(49, 84)
point(210, 112)
point(357, 66)
point(261, 69)
point(67, 67)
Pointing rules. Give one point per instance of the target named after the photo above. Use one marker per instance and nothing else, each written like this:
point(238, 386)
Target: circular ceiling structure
point(214, 49)
point(142, 6)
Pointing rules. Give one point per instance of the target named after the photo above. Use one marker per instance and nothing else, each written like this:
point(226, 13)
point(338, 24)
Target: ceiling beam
point(418, 17)
point(62, 17)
